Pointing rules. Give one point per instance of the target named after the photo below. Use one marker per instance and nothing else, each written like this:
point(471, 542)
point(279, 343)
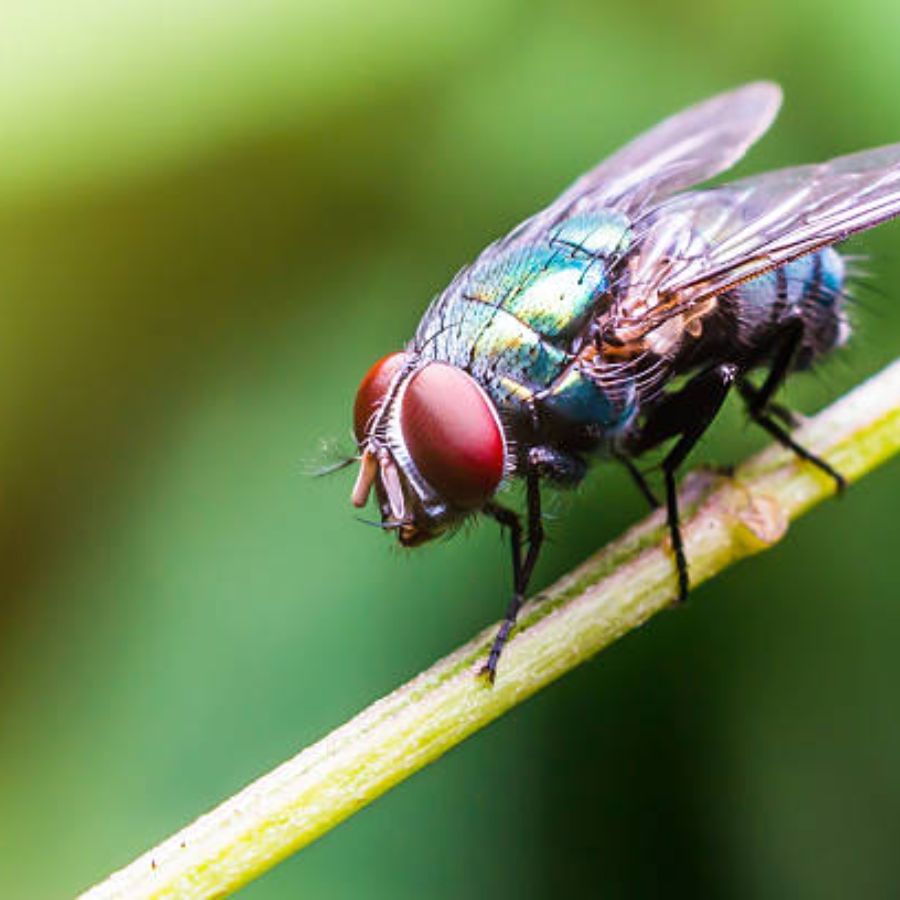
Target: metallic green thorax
point(515, 319)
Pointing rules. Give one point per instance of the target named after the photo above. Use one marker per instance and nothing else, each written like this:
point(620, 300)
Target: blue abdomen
point(810, 288)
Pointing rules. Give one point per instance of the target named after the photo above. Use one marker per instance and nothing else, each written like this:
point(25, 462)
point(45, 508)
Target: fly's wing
point(686, 149)
point(701, 244)
point(683, 150)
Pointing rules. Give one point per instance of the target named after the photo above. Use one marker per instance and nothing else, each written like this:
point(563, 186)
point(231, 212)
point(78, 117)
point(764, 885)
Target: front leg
point(522, 569)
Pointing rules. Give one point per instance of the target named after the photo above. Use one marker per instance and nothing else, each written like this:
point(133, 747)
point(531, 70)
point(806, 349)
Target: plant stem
point(611, 593)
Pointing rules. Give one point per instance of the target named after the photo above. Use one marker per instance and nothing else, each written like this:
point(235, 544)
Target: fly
point(560, 343)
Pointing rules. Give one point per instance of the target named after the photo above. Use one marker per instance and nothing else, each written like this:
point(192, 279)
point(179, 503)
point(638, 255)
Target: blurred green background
point(213, 218)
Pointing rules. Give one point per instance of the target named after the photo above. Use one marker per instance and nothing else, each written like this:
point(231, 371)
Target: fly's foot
point(489, 670)
point(786, 440)
point(487, 673)
point(840, 483)
point(684, 588)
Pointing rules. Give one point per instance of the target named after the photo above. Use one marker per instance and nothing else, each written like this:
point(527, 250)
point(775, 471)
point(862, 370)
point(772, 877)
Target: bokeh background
point(213, 217)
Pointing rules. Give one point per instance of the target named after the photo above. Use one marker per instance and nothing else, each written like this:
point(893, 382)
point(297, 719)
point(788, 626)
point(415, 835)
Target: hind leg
point(764, 412)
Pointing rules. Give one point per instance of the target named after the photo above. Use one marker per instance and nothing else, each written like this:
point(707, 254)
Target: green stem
point(608, 595)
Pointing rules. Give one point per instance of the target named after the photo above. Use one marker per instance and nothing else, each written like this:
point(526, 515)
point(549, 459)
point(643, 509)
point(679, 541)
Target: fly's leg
point(764, 413)
point(522, 569)
point(752, 397)
point(783, 438)
point(685, 415)
point(637, 476)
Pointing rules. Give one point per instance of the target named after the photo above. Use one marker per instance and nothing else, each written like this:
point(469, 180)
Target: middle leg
point(686, 415)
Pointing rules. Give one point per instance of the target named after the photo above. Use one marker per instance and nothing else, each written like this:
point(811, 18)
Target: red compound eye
point(372, 390)
point(453, 435)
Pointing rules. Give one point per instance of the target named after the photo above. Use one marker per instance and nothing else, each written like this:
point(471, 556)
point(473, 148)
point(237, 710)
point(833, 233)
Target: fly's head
point(431, 445)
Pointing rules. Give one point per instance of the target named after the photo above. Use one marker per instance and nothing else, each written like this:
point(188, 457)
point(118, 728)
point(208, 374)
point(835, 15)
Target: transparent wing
point(683, 150)
point(700, 244)
point(686, 149)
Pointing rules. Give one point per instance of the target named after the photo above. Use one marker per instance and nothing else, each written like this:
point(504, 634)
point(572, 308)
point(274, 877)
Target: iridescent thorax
point(519, 317)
